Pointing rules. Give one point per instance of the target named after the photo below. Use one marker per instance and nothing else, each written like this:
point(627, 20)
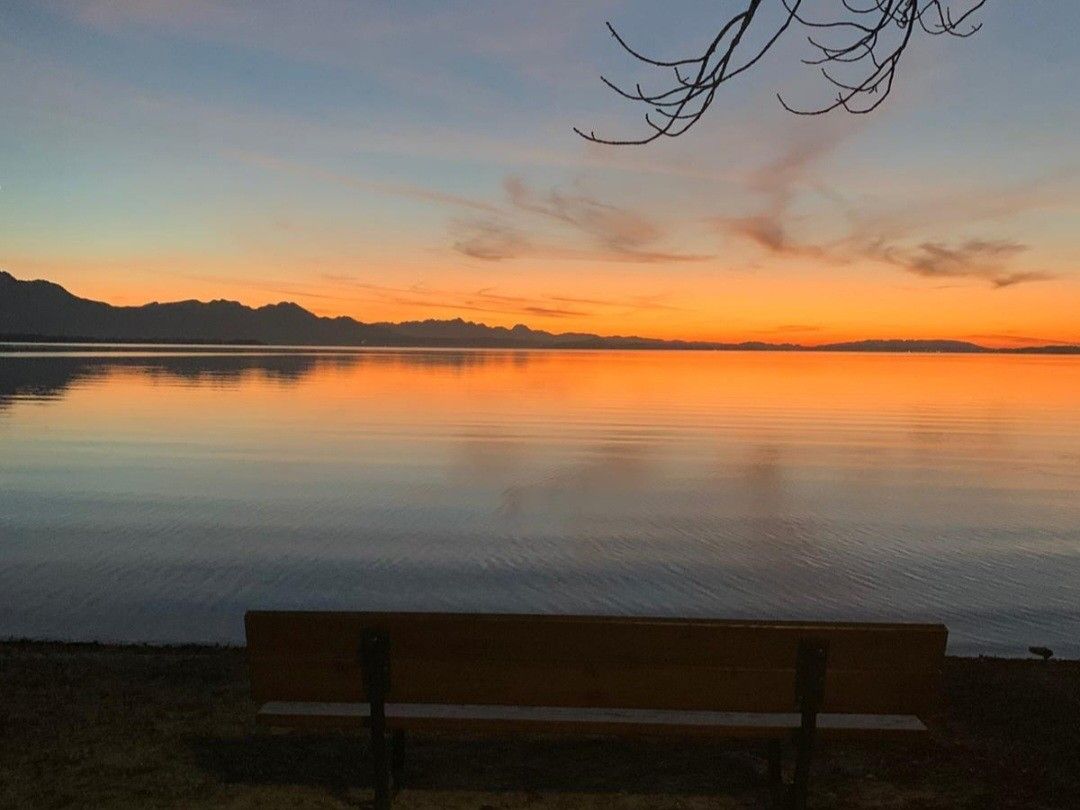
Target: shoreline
point(237, 647)
point(31, 344)
point(94, 724)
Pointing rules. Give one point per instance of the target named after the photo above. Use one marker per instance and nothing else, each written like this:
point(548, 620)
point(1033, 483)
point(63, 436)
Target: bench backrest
point(577, 661)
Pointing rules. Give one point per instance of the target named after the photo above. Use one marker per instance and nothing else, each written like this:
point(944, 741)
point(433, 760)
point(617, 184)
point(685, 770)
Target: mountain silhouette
point(42, 310)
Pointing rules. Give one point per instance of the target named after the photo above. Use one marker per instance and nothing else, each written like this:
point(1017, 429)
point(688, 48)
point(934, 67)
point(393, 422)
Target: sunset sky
point(412, 160)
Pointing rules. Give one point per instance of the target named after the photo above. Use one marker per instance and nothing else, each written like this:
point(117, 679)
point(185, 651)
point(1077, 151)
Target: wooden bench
point(398, 672)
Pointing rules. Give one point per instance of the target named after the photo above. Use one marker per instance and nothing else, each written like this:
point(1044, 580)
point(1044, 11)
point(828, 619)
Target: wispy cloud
point(616, 228)
point(359, 183)
point(777, 183)
point(791, 327)
point(612, 232)
point(971, 204)
point(890, 235)
point(887, 235)
point(489, 299)
point(1008, 337)
point(264, 285)
point(489, 239)
point(975, 258)
point(768, 231)
point(631, 302)
point(553, 312)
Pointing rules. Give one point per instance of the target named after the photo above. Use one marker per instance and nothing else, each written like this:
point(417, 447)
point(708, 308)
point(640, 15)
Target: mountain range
point(44, 311)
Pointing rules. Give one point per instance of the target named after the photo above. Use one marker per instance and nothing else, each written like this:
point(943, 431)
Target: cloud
point(553, 312)
point(767, 231)
point(635, 302)
point(889, 235)
point(972, 204)
point(936, 259)
point(777, 183)
point(616, 228)
point(614, 233)
point(779, 179)
point(263, 285)
point(975, 258)
point(489, 240)
point(1006, 337)
point(488, 299)
point(792, 327)
point(886, 235)
point(406, 190)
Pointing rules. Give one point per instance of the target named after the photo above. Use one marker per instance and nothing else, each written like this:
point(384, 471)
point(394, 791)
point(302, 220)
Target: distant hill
point(41, 310)
point(952, 346)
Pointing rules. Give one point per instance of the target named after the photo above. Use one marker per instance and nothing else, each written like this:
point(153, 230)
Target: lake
point(154, 495)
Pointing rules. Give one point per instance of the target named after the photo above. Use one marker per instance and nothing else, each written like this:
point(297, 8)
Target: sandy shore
point(100, 726)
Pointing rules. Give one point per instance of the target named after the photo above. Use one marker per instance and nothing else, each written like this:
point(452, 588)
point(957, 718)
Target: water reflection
point(51, 377)
point(155, 495)
point(604, 476)
point(44, 375)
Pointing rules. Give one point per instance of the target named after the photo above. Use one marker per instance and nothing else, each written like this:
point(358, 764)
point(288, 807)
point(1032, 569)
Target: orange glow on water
point(394, 386)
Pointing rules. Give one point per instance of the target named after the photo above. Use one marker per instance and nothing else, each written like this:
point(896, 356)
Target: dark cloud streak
point(490, 240)
point(881, 236)
point(487, 299)
point(777, 182)
point(976, 258)
point(615, 233)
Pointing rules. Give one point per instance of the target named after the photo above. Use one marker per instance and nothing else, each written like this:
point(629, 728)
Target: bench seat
point(467, 717)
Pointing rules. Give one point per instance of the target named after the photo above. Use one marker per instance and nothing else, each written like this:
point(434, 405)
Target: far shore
point(30, 344)
point(96, 725)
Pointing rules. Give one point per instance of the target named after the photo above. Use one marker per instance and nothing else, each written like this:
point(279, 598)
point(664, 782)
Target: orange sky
point(810, 304)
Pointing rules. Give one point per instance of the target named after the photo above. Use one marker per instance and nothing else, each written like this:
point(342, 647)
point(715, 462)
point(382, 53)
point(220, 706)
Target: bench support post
point(809, 696)
point(375, 665)
point(774, 774)
point(397, 758)
point(776, 761)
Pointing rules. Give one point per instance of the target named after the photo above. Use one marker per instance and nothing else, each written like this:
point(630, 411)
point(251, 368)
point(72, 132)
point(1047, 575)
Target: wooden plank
point(659, 687)
point(578, 720)
point(313, 716)
point(467, 637)
point(682, 719)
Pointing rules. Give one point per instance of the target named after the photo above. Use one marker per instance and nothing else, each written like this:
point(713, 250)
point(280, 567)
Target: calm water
point(157, 496)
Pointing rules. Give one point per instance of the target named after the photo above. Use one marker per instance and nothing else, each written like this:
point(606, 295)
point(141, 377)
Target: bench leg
point(774, 775)
point(380, 772)
point(375, 664)
point(397, 758)
point(800, 784)
point(776, 761)
point(809, 696)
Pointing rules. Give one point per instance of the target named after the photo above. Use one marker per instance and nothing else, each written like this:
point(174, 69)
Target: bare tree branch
point(858, 52)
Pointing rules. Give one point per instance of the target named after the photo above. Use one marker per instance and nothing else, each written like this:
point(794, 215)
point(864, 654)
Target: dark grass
point(85, 725)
